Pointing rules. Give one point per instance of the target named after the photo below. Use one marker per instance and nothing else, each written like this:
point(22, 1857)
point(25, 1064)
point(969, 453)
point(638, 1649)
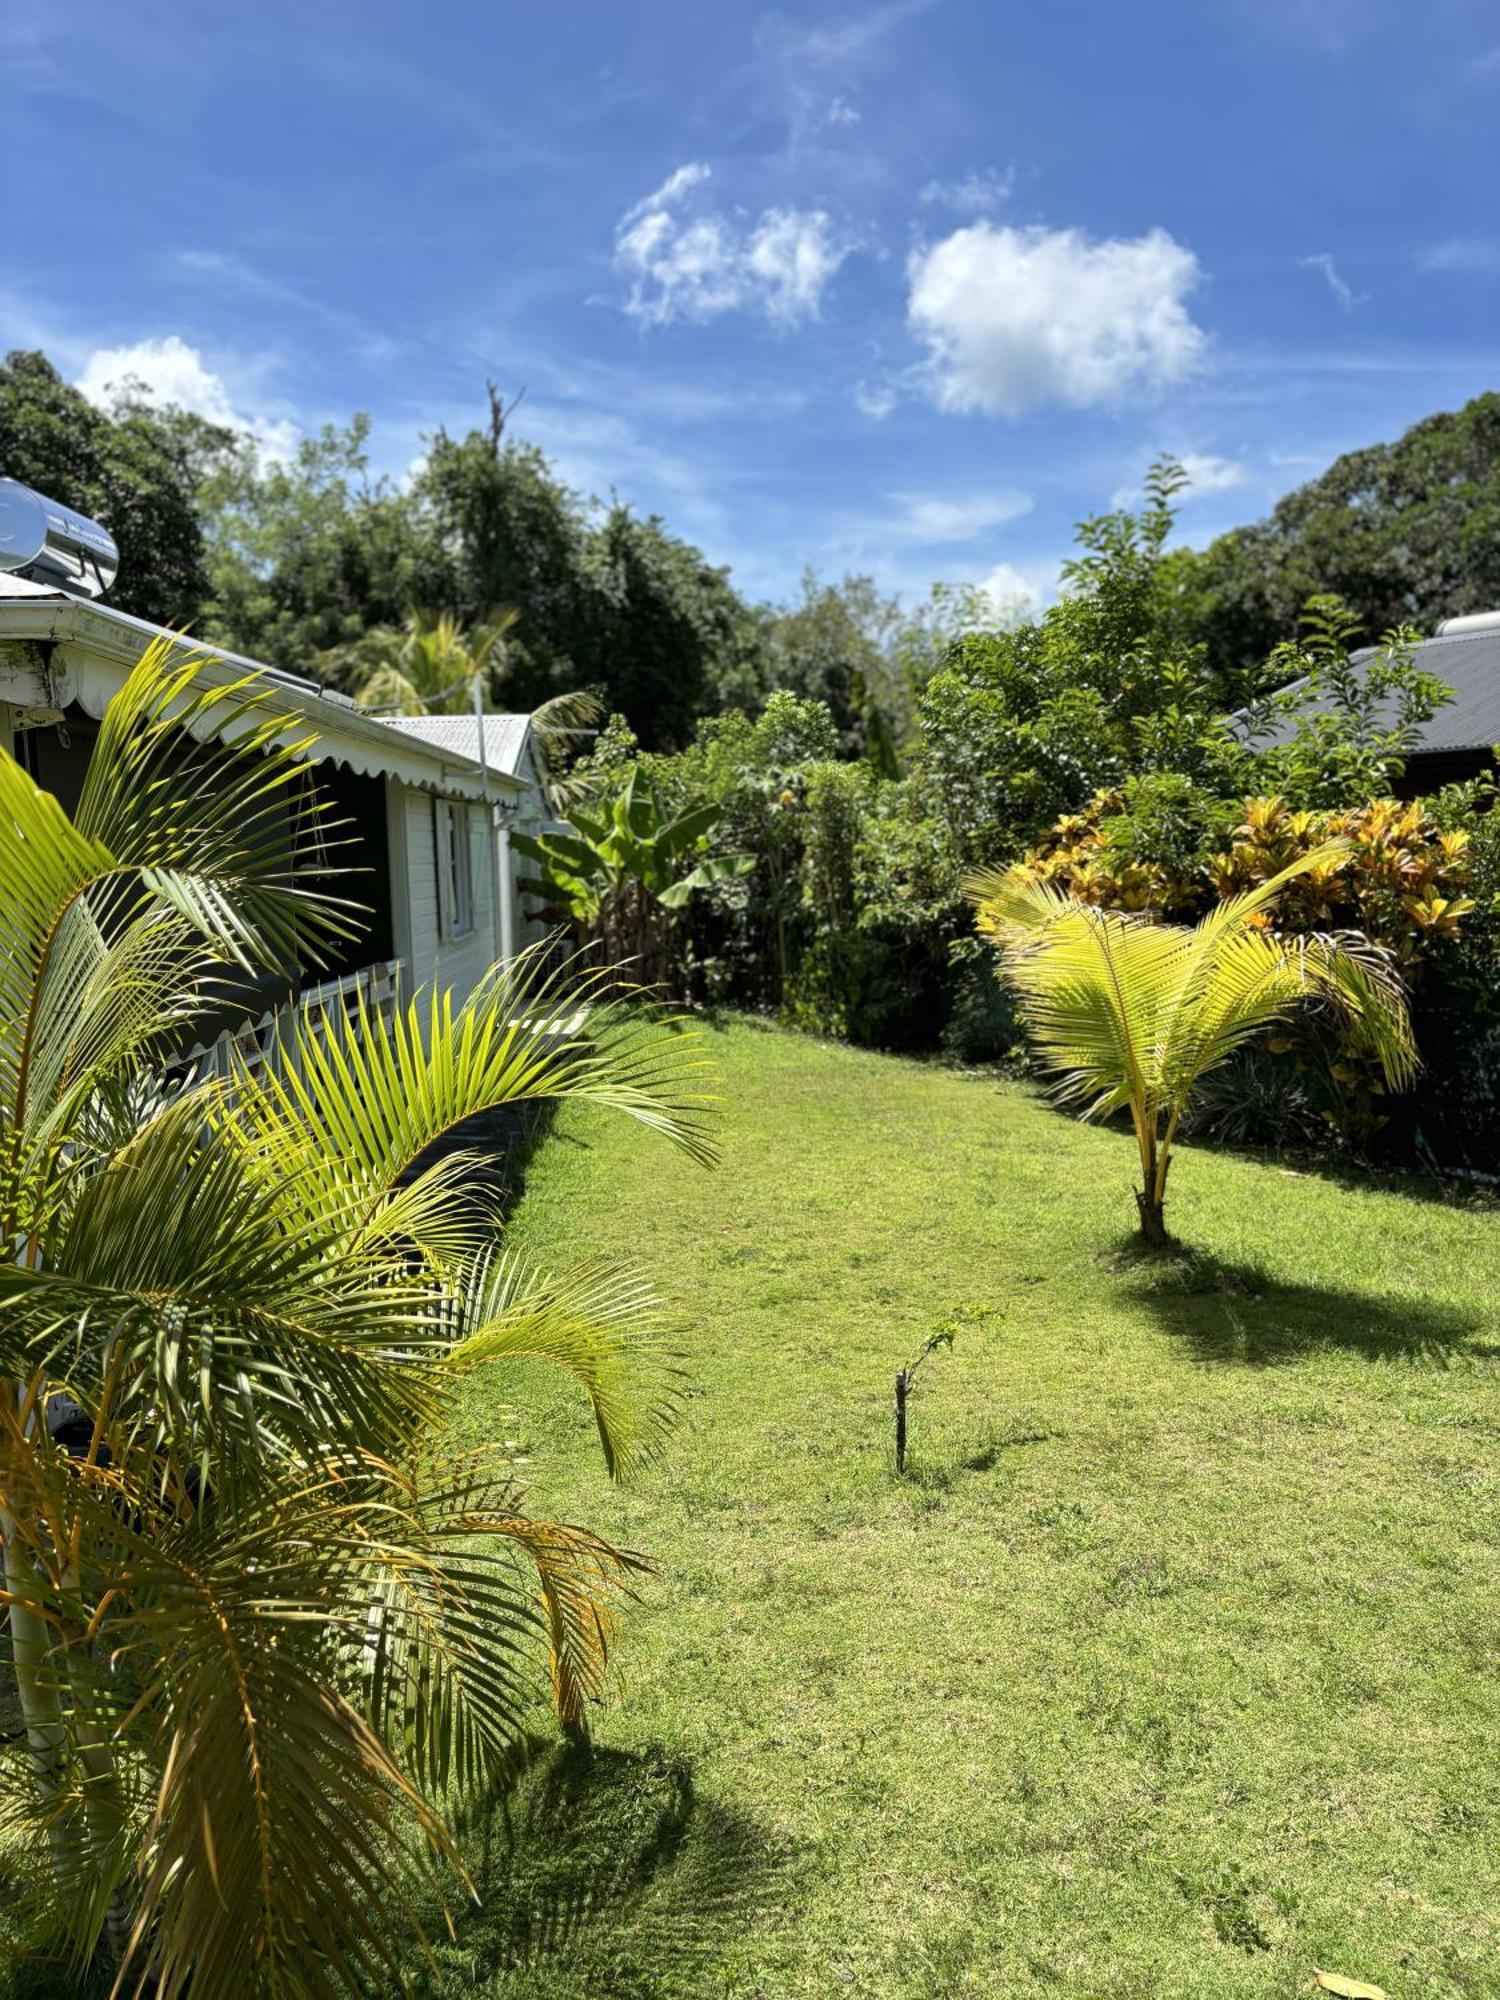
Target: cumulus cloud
point(974, 194)
point(1016, 318)
point(695, 266)
point(169, 371)
point(1342, 290)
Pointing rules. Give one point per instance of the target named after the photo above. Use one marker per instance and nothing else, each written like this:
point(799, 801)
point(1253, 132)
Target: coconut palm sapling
point(1131, 1013)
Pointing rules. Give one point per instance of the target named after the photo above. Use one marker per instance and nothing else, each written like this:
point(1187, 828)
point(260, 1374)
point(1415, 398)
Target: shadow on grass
point(1237, 1314)
point(604, 1872)
point(1414, 1184)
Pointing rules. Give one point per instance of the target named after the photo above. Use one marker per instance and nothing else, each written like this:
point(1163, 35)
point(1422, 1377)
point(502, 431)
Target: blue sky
point(904, 287)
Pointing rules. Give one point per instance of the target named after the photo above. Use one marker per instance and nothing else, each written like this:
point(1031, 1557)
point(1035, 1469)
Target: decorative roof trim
point(95, 646)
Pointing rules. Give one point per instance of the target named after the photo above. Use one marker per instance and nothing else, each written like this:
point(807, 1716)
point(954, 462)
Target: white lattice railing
point(252, 1044)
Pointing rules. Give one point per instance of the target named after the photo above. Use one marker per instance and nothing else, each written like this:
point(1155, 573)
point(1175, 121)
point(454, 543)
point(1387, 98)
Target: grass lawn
point(1169, 1669)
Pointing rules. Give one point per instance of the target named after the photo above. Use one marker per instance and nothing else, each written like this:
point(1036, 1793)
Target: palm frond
point(601, 1323)
point(351, 1106)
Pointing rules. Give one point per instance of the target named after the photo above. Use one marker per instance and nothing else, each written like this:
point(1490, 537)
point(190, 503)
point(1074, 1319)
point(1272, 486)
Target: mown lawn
point(1169, 1669)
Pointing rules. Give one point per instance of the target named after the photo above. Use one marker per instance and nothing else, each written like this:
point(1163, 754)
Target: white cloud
point(1016, 318)
point(841, 112)
point(1342, 290)
point(975, 194)
point(170, 371)
point(672, 189)
point(834, 43)
point(1016, 595)
point(1463, 253)
point(697, 267)
point(875, 399)
point(930, 517)
point(1208, 473)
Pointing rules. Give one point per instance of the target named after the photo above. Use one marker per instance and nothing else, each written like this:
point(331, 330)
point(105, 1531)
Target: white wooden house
point(426, 822)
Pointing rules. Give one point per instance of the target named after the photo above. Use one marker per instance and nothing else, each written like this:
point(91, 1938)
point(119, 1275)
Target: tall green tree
point(307, 555)
point(1020, 726)
point(608, 601)
point(137, 469)
point(1406, 533)
point(514, 534)
point(267, 1623)
point(671, 630)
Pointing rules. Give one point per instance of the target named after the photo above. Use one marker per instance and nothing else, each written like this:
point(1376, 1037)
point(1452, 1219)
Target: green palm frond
point(601, 1323)
point(220, 831)
point(350, 1107)
point(230, 1318)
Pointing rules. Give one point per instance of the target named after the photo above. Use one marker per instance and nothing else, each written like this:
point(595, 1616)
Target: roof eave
point(118, 637)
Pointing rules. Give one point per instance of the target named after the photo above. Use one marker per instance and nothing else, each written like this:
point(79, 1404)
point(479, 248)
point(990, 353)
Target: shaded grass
point(1168, 1671)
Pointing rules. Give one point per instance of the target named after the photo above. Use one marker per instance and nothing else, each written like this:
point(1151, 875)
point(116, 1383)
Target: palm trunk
point(1151, 1195)
point(37, 1690)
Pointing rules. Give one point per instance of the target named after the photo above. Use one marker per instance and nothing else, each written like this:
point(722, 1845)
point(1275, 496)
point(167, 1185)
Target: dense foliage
point(857, 759)
point(139, 470)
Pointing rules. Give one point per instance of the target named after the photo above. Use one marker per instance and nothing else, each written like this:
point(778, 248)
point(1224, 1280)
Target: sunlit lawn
point(1168, 1671)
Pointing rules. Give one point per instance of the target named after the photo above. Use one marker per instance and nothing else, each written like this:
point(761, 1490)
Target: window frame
point(453, 855)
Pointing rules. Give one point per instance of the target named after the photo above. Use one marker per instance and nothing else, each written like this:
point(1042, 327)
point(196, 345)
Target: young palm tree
point(1131, 1012)
point(430, 667)
point(264, 1623)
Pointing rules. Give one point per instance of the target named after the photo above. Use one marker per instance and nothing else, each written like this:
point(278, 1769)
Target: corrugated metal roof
point(1469, 662)
point(504, 737)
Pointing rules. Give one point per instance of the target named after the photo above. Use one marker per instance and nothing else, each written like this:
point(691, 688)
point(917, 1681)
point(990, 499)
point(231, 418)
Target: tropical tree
point(627, 865)
point(432, 666)
point(1132, 1014)
point(264, 1623)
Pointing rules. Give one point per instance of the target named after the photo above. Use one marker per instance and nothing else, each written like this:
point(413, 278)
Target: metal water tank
point(53, 544)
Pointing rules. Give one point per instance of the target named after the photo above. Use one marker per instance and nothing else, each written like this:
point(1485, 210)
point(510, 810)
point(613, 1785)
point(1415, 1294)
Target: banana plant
point(626, 866)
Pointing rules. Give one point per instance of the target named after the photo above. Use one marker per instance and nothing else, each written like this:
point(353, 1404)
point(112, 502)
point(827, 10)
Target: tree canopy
point(1404, 533)
point(137, 469)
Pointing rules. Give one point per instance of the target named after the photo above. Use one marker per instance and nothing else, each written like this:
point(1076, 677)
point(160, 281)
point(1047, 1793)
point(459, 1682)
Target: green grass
point(1168, 1670)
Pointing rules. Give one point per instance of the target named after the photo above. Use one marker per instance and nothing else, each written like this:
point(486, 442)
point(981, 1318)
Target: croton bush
point(1401, 880)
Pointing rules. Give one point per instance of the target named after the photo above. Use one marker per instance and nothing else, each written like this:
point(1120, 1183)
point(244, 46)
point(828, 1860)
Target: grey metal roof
point(504, 737)
point(1469, 662)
